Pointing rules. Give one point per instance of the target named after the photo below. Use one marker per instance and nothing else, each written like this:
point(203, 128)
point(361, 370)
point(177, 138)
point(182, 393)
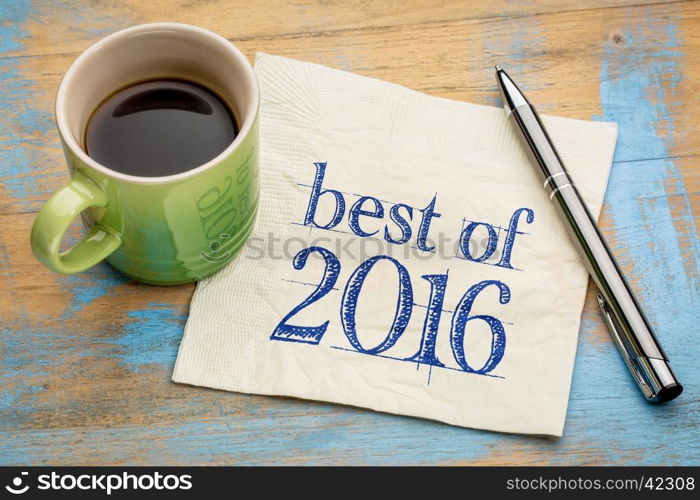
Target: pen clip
point(628, 354)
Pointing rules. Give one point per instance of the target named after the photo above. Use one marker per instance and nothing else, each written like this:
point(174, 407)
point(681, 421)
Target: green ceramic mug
point(161, 230)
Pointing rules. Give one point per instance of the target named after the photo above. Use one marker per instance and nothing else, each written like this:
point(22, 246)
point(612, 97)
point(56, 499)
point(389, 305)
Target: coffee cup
point(168, 229)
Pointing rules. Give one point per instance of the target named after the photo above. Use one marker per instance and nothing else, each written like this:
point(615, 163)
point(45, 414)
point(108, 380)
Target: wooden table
point(86, 359)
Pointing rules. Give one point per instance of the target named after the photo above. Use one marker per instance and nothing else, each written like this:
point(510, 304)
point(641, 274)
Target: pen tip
point(498, 68)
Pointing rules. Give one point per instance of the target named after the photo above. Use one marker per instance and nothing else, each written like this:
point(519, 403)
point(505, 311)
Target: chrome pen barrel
point(629, 327)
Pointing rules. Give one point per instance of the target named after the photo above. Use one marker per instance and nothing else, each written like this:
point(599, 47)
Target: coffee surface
point(159, 128)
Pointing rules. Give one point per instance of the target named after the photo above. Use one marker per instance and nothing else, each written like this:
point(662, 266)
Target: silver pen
point(629, 328)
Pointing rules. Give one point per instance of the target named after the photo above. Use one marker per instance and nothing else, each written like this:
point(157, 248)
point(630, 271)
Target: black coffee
point(159, 128)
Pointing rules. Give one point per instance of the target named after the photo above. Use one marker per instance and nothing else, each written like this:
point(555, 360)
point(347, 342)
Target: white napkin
point(486, 340)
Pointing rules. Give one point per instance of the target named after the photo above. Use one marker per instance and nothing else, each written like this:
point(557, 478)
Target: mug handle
point(53, 221)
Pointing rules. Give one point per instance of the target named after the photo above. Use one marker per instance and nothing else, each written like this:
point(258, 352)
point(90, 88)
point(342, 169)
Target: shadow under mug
point(161, 230)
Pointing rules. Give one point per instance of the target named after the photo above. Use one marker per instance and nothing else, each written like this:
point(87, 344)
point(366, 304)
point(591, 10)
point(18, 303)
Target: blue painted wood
point(90, 383)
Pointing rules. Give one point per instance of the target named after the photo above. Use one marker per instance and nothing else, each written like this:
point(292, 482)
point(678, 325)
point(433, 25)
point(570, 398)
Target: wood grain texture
point(85, 360)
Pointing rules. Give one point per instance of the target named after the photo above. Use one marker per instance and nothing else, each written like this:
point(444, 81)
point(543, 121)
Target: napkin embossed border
point(468, 310)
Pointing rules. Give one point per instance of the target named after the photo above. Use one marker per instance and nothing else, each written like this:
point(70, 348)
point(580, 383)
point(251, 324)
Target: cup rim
point(74, 146)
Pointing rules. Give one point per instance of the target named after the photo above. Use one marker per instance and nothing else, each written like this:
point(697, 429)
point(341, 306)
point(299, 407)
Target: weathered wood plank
point(95, 352)
point(59, 26)
point(239, 429)
point(561, 52)
point(86, 359)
